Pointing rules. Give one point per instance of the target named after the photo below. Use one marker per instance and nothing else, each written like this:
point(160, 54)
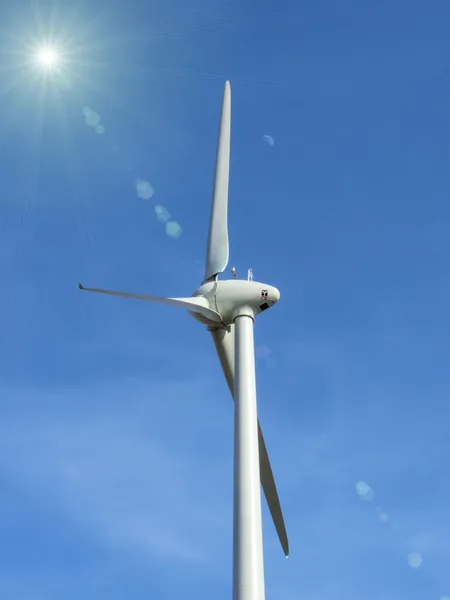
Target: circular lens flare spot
point(415, 560)
point(364, 491)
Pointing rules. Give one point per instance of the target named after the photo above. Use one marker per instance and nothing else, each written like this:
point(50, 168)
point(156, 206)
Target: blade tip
point(80, 287)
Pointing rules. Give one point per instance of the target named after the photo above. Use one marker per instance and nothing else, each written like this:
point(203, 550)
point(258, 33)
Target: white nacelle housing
point(227, 297)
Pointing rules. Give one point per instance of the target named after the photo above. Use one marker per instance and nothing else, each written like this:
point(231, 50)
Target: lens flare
point(48, 58)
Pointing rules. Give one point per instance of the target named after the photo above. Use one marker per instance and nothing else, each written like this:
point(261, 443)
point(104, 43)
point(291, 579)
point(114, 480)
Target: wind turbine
point(228, 309)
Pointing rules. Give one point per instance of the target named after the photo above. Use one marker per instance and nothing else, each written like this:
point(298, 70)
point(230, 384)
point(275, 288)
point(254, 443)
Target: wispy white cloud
point(147, 470)
point(366, 437)
point(127, 484)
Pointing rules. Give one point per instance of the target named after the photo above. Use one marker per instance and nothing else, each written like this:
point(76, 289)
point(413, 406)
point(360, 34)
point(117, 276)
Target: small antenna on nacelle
point(234, 273)
point(250, 275)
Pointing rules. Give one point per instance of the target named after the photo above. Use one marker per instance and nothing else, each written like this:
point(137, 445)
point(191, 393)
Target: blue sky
point(115, 419)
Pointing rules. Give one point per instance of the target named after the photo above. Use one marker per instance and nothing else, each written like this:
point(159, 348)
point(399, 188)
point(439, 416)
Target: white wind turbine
point(228, 309)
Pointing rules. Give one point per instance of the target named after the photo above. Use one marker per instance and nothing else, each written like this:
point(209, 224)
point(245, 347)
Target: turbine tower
point(228, 309)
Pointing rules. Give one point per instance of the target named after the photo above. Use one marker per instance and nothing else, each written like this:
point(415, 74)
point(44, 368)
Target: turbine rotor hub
point(232, 296)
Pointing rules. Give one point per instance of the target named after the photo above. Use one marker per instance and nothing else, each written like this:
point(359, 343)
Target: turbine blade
point(270, 492)
point(218, 248)
point(223, 338)
point(199, 304)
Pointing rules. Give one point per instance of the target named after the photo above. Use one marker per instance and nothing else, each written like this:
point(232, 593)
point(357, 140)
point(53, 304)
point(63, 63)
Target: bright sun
point(48, 58)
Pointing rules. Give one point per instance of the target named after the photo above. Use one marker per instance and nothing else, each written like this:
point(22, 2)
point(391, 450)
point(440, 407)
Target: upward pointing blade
point(218, 249)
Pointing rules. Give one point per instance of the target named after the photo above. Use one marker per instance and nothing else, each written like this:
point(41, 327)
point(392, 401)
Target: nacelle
point(226, 297)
